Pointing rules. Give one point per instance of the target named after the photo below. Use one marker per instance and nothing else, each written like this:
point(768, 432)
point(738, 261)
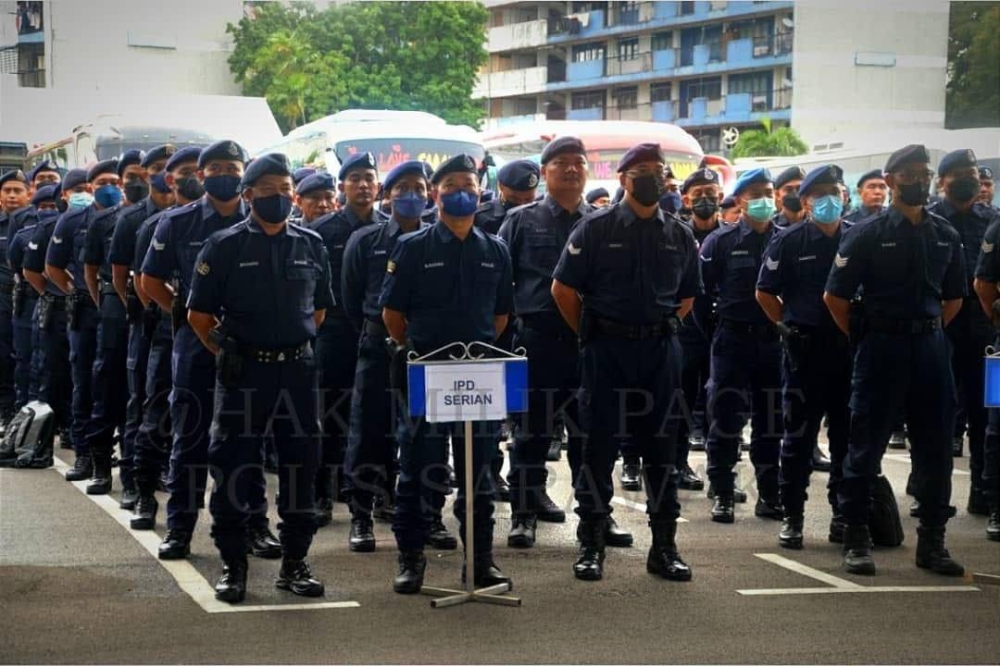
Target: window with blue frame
point(628, 49)
point(588, 52)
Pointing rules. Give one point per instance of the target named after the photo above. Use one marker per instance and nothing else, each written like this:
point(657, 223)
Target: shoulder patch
point(573, 250)
point(390, 267)
point(987, 247)
point(157, 245)
point(203, 268)
point(840, 261)
point(772, 264)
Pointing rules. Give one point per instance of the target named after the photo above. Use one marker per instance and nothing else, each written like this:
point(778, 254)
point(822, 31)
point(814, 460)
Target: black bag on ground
point(27, 440)
point(886, 528)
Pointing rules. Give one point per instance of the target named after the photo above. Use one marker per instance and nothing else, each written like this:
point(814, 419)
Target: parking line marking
point(183, 572)
point(802, 569)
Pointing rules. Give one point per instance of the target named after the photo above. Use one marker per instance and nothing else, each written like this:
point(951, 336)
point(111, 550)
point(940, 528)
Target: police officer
point(598, 197)
point(986, 186)
point(153, 437)
point(259, 291)
point(15, 197)
point(786, 192)
point(337, 343)
point(178, 238)
point(44, 173)
point(730, 212)
point(873, 193)
point(970, 332)
point(623, 281)
point(445, 283)
point(518, 181)
point(910, 264)
point(816, 359)
point(64, 265)
point(370, 463)
point(746, 354)
point(315, 196)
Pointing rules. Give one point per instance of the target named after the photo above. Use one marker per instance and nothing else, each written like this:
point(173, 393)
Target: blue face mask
point(827, 210)
point(108, 196)
point(79, 200)
point(223, 188)
point(760, 209)
point(409, 206)
point(671, 202)
point(460, 203)
point(47, 214)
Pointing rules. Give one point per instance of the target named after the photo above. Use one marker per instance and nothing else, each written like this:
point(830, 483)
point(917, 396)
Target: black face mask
point(190, 188)
point(705, 207)
point(964, 189)
point(136, 190)
point(915, 194)
point(61, 205)
point(647, 189)
point(791, 202)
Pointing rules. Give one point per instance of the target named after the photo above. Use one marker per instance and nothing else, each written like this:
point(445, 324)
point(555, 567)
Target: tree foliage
point(420, 56)
point(769, 142)
point(973, 91)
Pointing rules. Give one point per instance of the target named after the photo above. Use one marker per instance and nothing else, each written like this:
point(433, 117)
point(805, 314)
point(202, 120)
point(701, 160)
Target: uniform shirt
point(971, 227)
point(18, 246)
point(335, 229)
point(730, 262)
point(449, 289)
point(536, 234)
point(702, 308)
point(796, 266)
point(988, 262)
point(38, 246)
point(178, 238)
point(861, 213)
point(905, 270)
point(68, 246)
point(630, 270)
point(122, 252)
point(144, 238)
point(9, 225)
point(265, 289)
point(100, 236)
point(489, 216)
point(365, 259)
point(782, 222)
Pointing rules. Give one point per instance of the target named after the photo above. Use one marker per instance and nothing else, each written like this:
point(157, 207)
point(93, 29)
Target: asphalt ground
point(76, 586)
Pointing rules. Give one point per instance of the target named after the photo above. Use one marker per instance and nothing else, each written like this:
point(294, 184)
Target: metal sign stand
point(495, 593)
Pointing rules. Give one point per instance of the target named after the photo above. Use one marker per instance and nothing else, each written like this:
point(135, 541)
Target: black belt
point(375, 329)
point(734, 326)
point(261, 355)
point(55, 302)
point(638, 332)
point(107, 289)
point(903, 326)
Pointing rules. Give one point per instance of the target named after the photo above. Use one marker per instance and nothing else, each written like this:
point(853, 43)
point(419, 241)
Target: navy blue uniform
point(746, 357)
point(988, 270)
point(816, 361)
point(536, 235)
point(490, 215)
point(265, 290)
point(862, 213)
point(336, 354)
point(9, 224)
point(449, 290)
point(902, 359)
point(27, 358)
point(632, 275)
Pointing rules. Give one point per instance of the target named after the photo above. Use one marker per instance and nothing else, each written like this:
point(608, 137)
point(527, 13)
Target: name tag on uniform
point(301, 262)
point(808, 258)
point(434, 264)
point(893, 244)
point(942, 244)
point(615, 246)
point(247, 264)
point(485, 264)
point(378, 253)
point(739, 253)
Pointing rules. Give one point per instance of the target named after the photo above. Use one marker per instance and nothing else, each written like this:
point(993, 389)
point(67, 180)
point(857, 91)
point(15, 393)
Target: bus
point(12, 156)
point(391, 137)
point(606, 142)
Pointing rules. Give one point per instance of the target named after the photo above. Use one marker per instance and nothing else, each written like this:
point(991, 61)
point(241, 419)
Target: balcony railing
point(732, 109)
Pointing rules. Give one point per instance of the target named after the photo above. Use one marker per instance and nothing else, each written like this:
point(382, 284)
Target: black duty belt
point(107, 288)
point(903, 326)
point(55, 302)
point(261, 355)
point(376, 329)
point(638, 332)
point(747, 328)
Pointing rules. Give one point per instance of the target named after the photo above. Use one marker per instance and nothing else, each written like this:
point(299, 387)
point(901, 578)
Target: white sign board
point(465, 392)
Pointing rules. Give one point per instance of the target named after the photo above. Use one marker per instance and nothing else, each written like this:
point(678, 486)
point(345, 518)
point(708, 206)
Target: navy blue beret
point(702, 176)
point(158, 182)
point(519, 175)
point(158, 153)
point(563, 145)
point(828, 174)
point(597, 193)
point(46, 193)
point(15, 175)
point(727, 203)
point(788, 175)
point(644, 152)
point(751, 177)
point(301, 174)
point(128, 158)
point(222, 150)
point(47, 165)
point(914, 153)
point(103, 167)
point(460, 163)
point(874, 174)
point(271, 164)
point(410, 168)
point(73, 178)
point(957, 159)
point(357, 161)
point(185, 154)
point(985, 173)
point(486, 196)
point(320, 180)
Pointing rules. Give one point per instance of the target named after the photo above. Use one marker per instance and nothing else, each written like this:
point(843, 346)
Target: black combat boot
point(82, 469)
point(232, 584)
point(858, 550)
point(663, 559)
point(144, 514)
point(486, 573)
point(410, 579)
point(362, 537)
point(993, 525)
point(296, 577)
point(439, 537)
point(262, 543)
point(837, 526)
point(790, 535)
point(324, 512)
point(724, 509)
point(176, 545)
point(590, 564)
point(500, 483)
point(631, 478)
point(522, 531)
point(100, 481)
point(616, 537)
point(548, 511)
point(931, 553)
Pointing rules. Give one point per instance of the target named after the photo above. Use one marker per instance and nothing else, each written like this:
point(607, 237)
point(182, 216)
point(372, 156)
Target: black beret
point(159, 153)
point(106, 166)
point(486, 196)
point(46, 193)
point(185, 154)
point(985, 173)
point(271, 164)
point(73, 178)
point(410, 168)
point(702, 176)
point(128, 158)
point(321, 180)
point(222, 150)
point(957, 159)
point(357, 161)
point(788, 175)
point(874, 174)
point(727, 203)
point(460, 163)
point(47, 165)
point(519, 175)
point(563, 145)
point(301, 174)
point(828, 174)
point(910, 154)
point(644, 152)
point(15, 175)
point(597, 193)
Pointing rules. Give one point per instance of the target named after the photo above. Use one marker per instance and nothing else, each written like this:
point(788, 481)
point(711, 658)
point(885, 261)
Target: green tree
point(973, 90)
point(769, 142)
point(397, 55)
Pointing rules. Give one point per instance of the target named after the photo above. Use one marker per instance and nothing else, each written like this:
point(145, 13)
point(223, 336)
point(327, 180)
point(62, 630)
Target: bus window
point(390, 152)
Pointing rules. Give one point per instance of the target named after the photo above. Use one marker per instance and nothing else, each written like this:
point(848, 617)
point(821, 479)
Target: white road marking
point(802, 569)
point(188, 579)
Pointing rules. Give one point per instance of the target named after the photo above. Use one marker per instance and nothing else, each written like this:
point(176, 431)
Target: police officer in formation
point(786, 194)
point(987, 186)
point(873, 193)
point(15, 200)
point(518, 181)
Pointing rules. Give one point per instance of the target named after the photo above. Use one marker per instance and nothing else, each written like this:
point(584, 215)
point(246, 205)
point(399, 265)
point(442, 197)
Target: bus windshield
point(390, 152)
point(602, 164)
